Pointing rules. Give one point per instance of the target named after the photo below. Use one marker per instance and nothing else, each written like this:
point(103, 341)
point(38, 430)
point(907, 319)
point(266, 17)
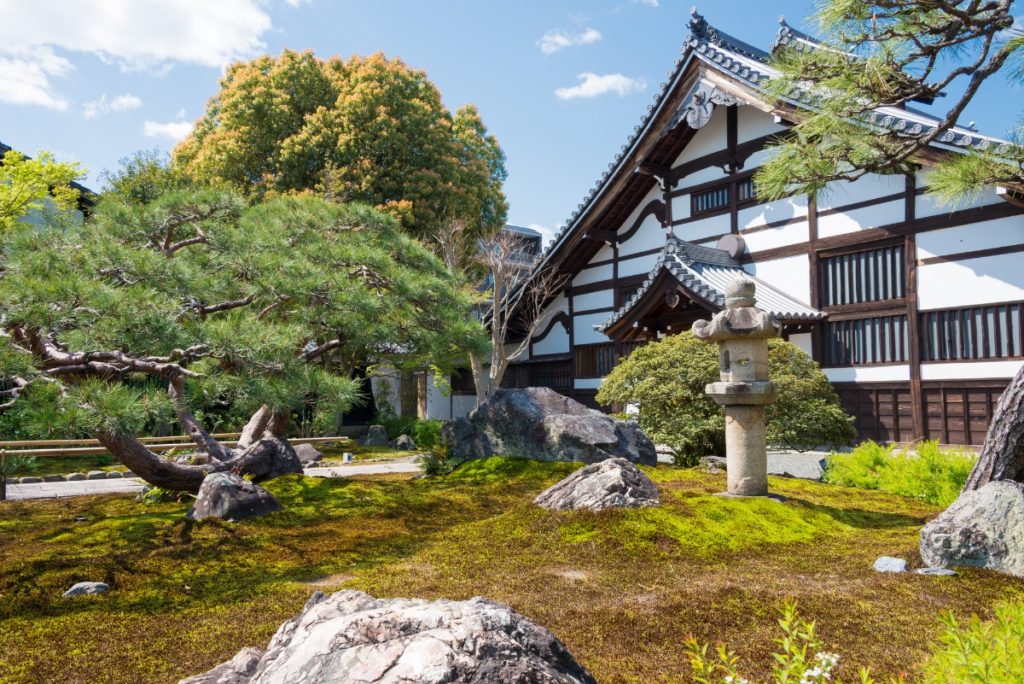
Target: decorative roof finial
point(698, 25)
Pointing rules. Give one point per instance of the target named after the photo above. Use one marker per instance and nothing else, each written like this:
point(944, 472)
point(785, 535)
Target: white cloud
point(547, 235)
point(649, 3)
point(133, 34)
point(175, 130)
point(118, 103)
point(553, 41)
point(25, 75)
point(592, 85)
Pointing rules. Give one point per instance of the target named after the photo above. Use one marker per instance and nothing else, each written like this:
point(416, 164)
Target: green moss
point(621, 588)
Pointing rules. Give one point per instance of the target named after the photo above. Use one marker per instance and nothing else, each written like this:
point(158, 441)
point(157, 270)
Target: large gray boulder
point(983, 528)
point(350, 636)
point(231, 497)
point(540, 423)
point(613, 483)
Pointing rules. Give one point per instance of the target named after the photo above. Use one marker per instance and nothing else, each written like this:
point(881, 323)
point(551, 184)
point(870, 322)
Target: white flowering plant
point(802, 658)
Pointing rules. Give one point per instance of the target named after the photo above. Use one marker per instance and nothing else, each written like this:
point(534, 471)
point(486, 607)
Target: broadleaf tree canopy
point(365, 129)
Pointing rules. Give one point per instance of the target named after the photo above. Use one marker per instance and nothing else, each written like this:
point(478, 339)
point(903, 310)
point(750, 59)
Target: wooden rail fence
point(89, 447)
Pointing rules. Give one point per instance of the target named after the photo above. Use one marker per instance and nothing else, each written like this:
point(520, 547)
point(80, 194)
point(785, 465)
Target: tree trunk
point(264, 458)
point(481, 379)
point(1002, 456)
point(407, 394)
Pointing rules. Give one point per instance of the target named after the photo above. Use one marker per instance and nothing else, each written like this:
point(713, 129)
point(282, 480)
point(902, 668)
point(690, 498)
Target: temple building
point(913, 309)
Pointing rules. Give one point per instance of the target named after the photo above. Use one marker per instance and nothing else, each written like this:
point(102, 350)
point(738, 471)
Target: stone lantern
point(742, 333)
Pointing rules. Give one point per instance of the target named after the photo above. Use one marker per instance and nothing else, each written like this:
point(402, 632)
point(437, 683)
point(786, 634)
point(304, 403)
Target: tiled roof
point(749, 65)
point(706, 272)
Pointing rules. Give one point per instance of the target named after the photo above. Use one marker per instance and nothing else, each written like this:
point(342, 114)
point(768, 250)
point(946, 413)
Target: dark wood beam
point(600, 235)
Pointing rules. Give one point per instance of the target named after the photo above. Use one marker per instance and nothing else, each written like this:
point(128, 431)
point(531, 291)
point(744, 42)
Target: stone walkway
point(52, 490)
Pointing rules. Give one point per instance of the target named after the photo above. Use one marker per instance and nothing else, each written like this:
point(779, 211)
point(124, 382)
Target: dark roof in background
point(86, 196)
point(522, 230)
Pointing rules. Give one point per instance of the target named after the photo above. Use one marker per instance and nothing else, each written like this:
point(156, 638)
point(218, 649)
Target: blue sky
point(561, 83)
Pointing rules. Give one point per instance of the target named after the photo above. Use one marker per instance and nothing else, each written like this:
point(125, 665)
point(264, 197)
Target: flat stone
point(666, 454)
point(55, 478)
point(983, 528)
point(936, 572)
point(890, 564)
point(114, 474)
point(231, 497)
point(96, 475)
point(75, 477)
point(712, 464)
point(30, 479)
point(612, 483)
point(352, 637)
point(86, 588)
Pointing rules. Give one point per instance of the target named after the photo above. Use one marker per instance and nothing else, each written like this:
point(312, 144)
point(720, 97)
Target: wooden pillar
point(817, 328)
point(913, 334)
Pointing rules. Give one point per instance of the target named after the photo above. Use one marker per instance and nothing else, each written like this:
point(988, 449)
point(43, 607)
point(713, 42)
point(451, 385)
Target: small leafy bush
point(801, 657)
point(931, 474)
point(426, 433)
point(9, 465)
point(979, 651)
point(438, 462)
point(666, 380)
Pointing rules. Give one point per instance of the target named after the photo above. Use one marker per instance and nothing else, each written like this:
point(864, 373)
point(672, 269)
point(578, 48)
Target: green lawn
point(621, 588)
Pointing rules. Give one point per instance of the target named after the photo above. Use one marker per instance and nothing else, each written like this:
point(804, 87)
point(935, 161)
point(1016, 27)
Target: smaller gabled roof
point(705, 273)
point(86, 196)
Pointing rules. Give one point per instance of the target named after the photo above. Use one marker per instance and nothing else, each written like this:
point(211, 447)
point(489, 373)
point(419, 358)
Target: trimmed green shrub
point(426, 433)
point(666, 380)
point(929, 474)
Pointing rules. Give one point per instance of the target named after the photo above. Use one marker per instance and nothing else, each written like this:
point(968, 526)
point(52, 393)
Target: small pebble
point(83, 588)
point(936, 572)
point(890, 564)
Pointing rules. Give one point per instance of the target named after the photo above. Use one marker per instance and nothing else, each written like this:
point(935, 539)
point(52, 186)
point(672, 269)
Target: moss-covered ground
point(621, 588)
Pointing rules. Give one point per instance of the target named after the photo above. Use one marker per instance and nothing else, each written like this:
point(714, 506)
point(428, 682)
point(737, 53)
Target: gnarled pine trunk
point(263, 453)
point(1002, 456)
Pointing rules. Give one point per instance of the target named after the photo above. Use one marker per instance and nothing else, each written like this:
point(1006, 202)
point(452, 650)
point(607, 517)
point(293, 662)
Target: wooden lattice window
point(860, 341)
point(976, 332)
point(594, 360)
point(869, 275)
point(712, 199)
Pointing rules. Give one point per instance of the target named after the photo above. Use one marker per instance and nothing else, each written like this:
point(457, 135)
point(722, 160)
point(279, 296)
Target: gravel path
point(53, 490)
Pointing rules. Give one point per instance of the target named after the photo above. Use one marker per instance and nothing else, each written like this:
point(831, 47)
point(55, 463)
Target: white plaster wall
point(803, 340)
point(758, 158)
point(704, 228)
point(706, 175)
point(770, 212)
point(707, 140)
point(583, 328)
point(637, 265)
point(462, 405)
point(593, 274)
point(840, 193)
point(523, 355)
point(777, 237)
point(587, 383)
point(973, 281)
point(969, 370)
point(790, 274)
point(438, 404)
point(895, 373)
point(555, 342)
point(593, 300)
point(753, 123)
point(975, 236)
point(859, 219)
point(650, 235)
